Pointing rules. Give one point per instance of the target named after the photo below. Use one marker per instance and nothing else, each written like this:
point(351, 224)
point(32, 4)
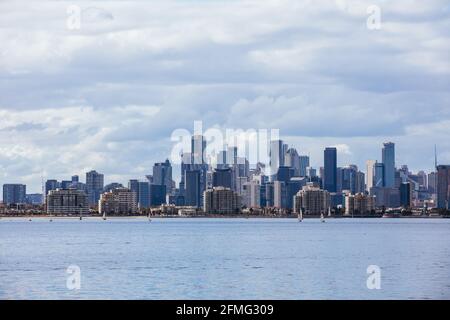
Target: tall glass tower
point(388, 156)
point(330, 170)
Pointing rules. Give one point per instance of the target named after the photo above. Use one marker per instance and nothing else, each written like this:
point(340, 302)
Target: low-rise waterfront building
point(359, 204)
point(221, 200)
point(312, 200)
point(67, 202)
point(118, 201)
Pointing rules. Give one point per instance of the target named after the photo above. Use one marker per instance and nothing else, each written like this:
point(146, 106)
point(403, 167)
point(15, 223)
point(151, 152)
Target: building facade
point(312, 200)
point(121, 201)
point(330, 170)
point(443, 186)
point(359, 204)
point(67, 202)
point(14, 194)
point(221, 201)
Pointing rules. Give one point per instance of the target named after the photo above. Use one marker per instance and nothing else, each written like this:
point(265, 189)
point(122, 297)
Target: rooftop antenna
point(435, 157)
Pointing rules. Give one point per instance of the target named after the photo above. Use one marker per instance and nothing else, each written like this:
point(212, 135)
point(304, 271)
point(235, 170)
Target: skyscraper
point(443, 186)
point(304, 163)
point(94, 186)
point(192, 186)
point(14, 194)
point(162, 175)
point(388, 159)
point(330, 170)
point(198, 146)
point(370, 172)
point(292, 159)
point(276, 156)
point(378, 175)
point(222, 178)
point(51, 185)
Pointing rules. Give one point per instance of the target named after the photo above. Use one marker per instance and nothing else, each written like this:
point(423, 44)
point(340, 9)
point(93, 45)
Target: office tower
point(280, 195)
point(422, 179)
point(386, 197)
point(75, 179)
point(276, 156)
point(222, 178)
point(284, 174)
point(405, 194)
point(221, 201)
point(118, 201)
point(269, 194)
point(232, 155)
point(443, 186)
point(304, 164)
point(133, 185)
point(292, 160)
point(143, 196)
point(157, 194)
point(360, 182)
point(51, 185)
point(312, 200)
point(311, 172)
point(378, 175)
point(34, 198)
point(330, 170)
point(370, 173)
point(222, 160)
point(339, 177)
point(251, 195)
point(65, 184)
point(432, 182)
point(193, 188)
point(198, 146)
point(351, 179)
point(162, 175)
point(14, 194)
point(94, 186)
point(293, 186)
point(359, 204)
point(66, 202)
point(388, 156)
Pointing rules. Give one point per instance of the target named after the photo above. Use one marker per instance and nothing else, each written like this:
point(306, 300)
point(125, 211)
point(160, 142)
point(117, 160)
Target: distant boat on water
point(322, 217)
point(300, 216)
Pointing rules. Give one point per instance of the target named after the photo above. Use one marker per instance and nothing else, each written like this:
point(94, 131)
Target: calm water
point(224, 258)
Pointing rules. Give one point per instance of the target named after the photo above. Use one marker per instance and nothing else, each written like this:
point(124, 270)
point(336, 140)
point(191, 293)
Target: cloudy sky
point(108, 95)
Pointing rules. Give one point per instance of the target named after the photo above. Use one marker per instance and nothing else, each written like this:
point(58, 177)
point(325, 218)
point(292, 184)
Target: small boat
point(300, 216)
point(322, 218)
point(148, 216)
point(104, 216)
point(329, 211)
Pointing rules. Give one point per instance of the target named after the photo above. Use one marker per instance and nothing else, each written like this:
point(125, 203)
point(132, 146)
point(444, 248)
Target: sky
point(104, 87)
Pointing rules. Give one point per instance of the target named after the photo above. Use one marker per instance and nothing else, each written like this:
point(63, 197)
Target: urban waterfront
point(124, 258)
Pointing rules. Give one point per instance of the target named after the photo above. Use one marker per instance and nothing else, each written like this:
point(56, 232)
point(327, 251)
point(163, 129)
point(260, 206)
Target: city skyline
point(37, 187)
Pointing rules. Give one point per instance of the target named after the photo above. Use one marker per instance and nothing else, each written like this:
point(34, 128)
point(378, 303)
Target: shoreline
point(215, 217)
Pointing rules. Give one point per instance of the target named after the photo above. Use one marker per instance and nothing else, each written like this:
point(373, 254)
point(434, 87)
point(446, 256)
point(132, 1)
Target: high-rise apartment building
point(14, 194)
point(94, 186)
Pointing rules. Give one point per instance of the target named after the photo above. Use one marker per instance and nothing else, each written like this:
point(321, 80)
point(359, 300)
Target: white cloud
point(109, 95)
